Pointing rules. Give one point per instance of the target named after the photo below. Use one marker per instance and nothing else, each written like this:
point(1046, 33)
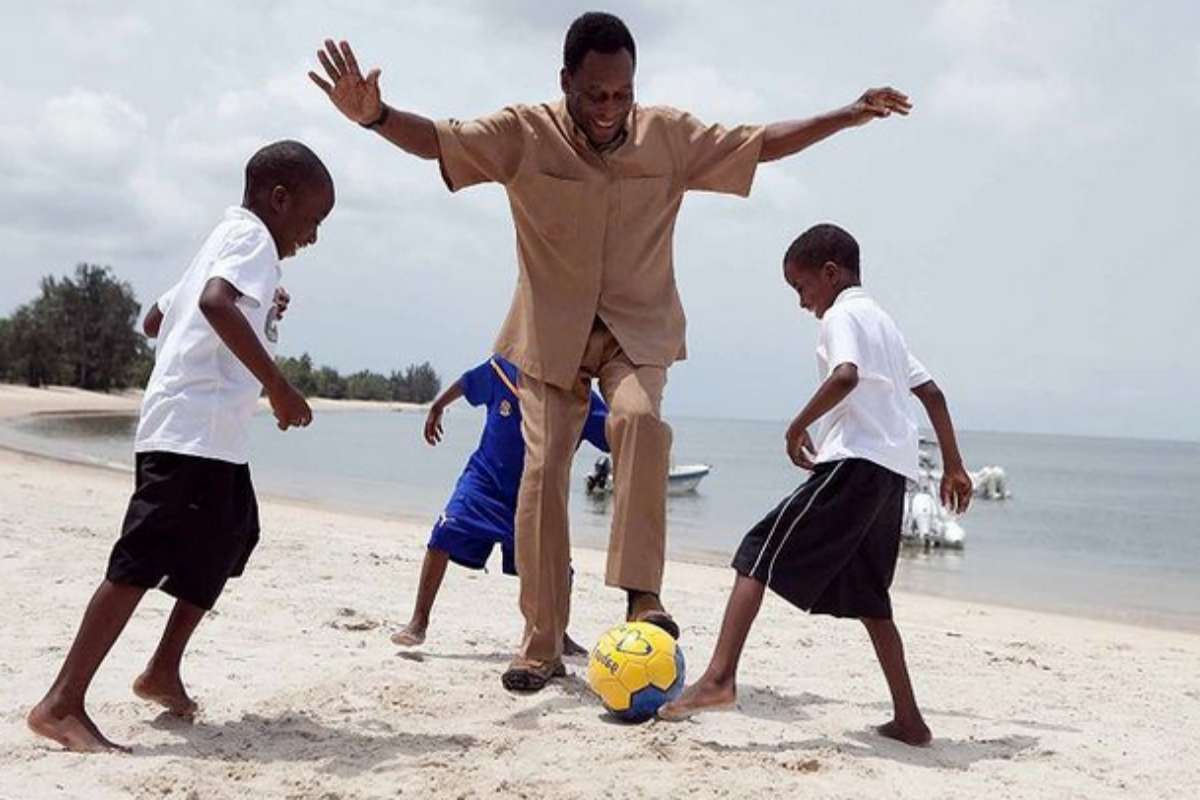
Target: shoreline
point(73, 402)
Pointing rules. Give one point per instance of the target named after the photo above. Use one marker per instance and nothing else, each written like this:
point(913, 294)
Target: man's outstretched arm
point(358, 98)
point(782, 139)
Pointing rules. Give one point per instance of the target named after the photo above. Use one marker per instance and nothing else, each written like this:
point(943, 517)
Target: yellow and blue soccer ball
point(635, 668)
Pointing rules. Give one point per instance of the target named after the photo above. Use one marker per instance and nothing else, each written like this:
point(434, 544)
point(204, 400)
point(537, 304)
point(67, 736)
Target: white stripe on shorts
point(792, 527)
point(766, 542)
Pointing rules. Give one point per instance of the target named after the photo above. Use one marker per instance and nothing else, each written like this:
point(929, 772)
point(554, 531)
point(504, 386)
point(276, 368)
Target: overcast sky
point(1031, 226)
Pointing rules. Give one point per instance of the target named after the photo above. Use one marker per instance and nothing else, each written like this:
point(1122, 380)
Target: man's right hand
point(290, 407)
point(355, 96)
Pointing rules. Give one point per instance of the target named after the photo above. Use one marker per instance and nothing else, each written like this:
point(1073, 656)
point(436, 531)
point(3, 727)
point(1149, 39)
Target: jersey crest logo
point(505, 408)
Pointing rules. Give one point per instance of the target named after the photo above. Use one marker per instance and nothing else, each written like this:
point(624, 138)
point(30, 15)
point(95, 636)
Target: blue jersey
point(494, 469)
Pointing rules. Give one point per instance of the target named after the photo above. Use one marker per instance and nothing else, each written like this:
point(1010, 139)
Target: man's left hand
point(878, 104)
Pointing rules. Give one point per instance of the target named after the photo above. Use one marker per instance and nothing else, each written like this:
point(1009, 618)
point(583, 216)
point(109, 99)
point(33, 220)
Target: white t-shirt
point(875, 421)
point(200, 397)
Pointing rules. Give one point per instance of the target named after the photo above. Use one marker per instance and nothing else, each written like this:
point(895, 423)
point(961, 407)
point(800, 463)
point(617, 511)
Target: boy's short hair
point(821, 243)
point(599, 31)
point(285, 163)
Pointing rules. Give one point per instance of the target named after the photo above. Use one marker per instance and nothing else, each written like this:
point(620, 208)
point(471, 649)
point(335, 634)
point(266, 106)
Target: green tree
point(423, 382)
point(330, 383)
point(367, 385)
point(34, 350)
point(141, 366)
point(5, 358)
point(299, 373)
point(93, 318)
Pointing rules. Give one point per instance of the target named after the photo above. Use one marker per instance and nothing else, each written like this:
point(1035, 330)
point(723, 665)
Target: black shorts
point(831, 546)
point(191, 525)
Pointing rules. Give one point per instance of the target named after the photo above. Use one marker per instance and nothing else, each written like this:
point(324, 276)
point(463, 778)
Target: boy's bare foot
point(74, 730)
point(913, 733)
point(700, 696)
point(410, 635)
point(167, 692)
point(572, 647)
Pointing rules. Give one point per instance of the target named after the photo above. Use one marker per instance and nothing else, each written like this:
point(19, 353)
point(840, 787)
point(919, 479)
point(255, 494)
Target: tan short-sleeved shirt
point(594, 230)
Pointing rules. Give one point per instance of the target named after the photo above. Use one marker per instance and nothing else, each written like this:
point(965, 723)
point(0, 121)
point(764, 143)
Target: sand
point(303, 696)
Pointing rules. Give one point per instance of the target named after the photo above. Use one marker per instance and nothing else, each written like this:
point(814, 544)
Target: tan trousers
point(552, 420)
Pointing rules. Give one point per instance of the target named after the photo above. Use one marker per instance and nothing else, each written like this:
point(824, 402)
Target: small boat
point(987, 483)
point(926, 522)
point(683, 479)
point(990, 483)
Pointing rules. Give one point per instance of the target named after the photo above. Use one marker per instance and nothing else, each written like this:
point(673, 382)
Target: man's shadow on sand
point(291, 736)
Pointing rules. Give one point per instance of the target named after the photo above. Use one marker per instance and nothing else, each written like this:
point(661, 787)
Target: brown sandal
point(532, 678)
point(663, 620)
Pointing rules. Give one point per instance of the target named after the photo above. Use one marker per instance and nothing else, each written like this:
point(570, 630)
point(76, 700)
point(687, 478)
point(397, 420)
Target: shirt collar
point(849, 293)
point(245, 214)
point(580, 138)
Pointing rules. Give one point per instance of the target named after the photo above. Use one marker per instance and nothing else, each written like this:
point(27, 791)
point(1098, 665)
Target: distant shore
point(16, 401)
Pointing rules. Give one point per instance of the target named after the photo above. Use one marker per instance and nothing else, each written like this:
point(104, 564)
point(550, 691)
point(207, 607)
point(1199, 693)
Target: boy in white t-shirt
point(192, 521)
point(831, 546)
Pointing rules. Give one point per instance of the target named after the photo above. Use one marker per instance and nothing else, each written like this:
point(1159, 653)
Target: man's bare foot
point(572, 647)
point(74, 730)
point(700, 696)
point(914, 733)
point(410, 635)
point(168, 692)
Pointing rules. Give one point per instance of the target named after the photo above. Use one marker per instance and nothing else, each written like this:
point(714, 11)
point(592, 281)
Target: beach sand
point(303, 696)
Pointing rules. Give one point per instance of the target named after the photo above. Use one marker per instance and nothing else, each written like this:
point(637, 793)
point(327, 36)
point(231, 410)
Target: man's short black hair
point(821, 243)
point(285, 163)
point(599, 31)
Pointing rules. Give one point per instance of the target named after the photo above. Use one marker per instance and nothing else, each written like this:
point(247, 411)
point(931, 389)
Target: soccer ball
point(635, 668)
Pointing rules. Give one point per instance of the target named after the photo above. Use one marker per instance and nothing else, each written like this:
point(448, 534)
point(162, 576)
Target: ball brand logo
point(632, 642)
point(606, 660)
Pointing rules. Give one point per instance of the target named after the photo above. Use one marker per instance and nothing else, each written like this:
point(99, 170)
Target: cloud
point(107, 36)
point(97, 134)
point(1014, 104)
point(1006, 71)
point(970, 24)
point(703, 90)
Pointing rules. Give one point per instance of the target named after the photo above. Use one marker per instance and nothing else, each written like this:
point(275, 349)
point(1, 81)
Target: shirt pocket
point(551, 205)
point(645, 201)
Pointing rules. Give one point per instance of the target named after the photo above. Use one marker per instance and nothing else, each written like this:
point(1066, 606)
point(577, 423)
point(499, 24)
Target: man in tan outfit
point(594, 182)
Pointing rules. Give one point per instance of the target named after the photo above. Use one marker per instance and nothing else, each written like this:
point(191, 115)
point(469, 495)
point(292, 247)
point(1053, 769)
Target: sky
point(1030, 226)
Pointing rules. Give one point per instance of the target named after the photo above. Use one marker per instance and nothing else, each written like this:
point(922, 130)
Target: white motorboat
point(926, 522)
point(682, 479)
point(990, 483)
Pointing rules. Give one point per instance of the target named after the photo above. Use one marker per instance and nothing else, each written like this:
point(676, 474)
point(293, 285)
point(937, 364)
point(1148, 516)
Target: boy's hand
point(799, 445)
point(956, 489)
point(878, 104)
point(355, 96)
point(433, 424)
point(289, 406)
point(282, 301)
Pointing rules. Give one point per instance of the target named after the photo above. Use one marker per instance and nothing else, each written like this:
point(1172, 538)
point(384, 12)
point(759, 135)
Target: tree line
point(82, 331)
point(418, 383)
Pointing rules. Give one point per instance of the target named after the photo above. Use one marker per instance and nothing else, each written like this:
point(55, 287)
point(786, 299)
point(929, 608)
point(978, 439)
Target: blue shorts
point(471, 526)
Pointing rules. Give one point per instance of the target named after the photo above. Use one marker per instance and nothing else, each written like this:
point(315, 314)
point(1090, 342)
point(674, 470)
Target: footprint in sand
point(350, 620)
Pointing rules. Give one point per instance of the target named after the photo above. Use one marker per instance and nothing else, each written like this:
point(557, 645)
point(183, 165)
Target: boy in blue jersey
point(481, 512)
